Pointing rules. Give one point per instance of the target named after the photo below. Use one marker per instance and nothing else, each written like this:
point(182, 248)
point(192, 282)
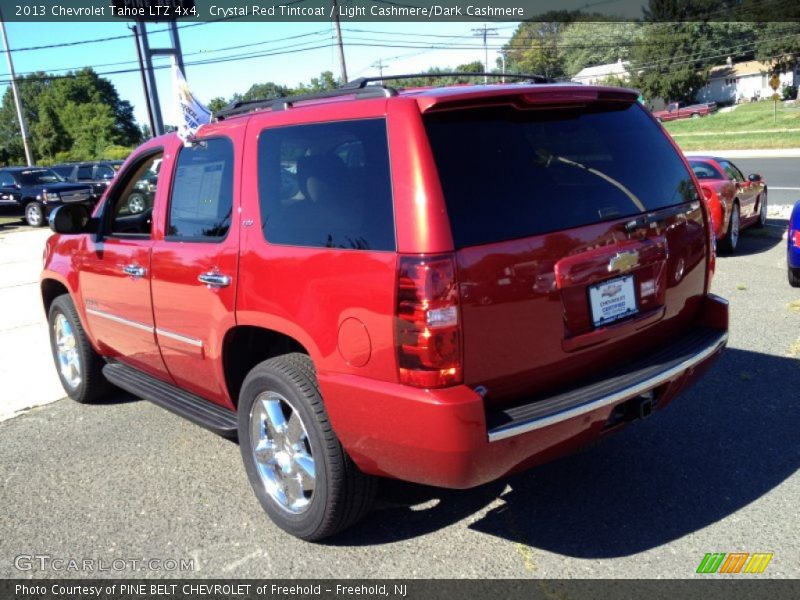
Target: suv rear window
point(327, 185)
point(509, 173)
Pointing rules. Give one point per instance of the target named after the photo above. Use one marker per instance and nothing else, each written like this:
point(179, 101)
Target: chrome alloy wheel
point(33, 214)
point(282, 452)
point(69, 363)
point(136, 203)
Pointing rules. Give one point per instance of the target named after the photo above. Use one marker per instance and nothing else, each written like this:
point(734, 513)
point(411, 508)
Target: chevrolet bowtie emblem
point(624, 261)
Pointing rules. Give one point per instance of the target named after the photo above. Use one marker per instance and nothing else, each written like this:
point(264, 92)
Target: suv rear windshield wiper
point(545, 158)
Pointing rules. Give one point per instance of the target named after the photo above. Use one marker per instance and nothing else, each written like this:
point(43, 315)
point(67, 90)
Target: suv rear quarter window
point(509, 173)
point(327, 185)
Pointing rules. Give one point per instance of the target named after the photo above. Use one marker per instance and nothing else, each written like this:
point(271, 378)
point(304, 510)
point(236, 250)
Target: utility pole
point(149, 53)
point(339, 41)
point(378, 64)
point(17, 101)
point(485, 32)
point(144, 81)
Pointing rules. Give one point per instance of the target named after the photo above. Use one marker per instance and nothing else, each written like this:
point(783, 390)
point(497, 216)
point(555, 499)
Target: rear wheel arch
point(246, 346)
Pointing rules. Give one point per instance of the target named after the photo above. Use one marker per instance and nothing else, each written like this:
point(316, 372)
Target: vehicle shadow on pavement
point(720, 446)
point(119, 397)
point(756, 241)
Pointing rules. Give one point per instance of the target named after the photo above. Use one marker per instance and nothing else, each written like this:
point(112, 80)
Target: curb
point(770, 153)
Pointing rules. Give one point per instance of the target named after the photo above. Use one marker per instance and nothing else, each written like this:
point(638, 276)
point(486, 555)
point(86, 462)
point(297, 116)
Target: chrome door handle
point(214, 279)
point(134, 271)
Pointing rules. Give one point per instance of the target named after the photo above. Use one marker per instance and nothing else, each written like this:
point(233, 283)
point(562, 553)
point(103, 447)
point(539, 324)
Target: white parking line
point(796, 189)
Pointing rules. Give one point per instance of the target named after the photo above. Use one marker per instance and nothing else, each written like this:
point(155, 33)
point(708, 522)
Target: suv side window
point(65, 172)
point(327, 185)
point(202, 191)
point(131, 208)
point(103, 172)
point(84, 173)
point(6, 179)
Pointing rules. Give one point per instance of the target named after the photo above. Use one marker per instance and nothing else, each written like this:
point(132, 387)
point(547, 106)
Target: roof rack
point(363, 81)
point(363, 87)
point(285, 102)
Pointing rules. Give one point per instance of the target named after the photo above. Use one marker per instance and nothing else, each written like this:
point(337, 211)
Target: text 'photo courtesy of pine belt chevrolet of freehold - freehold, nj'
point(399, 299)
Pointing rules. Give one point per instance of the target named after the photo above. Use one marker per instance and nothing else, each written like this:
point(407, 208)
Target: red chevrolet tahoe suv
point(438, 285)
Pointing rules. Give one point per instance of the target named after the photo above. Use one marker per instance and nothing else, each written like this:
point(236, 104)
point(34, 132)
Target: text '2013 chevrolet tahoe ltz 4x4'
point(437, 285)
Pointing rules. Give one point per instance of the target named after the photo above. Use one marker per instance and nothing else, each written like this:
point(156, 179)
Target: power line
point(194, 53)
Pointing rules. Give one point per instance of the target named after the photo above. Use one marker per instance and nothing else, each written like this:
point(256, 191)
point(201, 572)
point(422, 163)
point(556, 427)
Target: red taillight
point(796, 238)
point(428, 334)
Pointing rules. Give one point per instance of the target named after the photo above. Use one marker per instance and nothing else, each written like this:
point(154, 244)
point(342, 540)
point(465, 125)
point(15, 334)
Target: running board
point(187, 405)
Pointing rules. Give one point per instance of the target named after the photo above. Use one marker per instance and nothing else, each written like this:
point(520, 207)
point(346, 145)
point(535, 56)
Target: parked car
point(793, 247)
point(141, 196)
point(680, 110)
point(38, 191)
point(98, 174)
point(415, 306)
point(734, 201)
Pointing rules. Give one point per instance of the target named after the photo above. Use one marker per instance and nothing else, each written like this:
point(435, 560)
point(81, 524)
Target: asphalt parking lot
point(717, 471)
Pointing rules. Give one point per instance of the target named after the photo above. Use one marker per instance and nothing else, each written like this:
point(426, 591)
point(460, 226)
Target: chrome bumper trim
point(514, 429)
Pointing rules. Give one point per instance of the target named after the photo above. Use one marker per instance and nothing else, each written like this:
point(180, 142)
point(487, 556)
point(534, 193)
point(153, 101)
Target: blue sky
point(203, 42)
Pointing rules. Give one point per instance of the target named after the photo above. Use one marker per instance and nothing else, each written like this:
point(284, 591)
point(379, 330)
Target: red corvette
point(734, 202)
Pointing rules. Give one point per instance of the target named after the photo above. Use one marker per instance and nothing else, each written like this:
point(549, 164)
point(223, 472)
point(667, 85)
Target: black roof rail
point(363, 87)
point(284, 102)
point(363, 81)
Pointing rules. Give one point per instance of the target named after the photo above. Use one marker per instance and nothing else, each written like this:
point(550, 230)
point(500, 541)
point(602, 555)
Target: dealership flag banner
point(190, 113)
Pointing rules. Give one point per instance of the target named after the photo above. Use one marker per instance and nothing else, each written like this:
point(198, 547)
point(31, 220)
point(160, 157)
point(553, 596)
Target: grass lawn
point(747, 126)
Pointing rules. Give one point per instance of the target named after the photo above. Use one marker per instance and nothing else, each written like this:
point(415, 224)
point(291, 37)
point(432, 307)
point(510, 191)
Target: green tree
point(671, 61)
point(587, 44)
point(440, 78)
point(264, 91)
point(778, 44)
point(217, 103)
point(74, 117)
point(325, 82)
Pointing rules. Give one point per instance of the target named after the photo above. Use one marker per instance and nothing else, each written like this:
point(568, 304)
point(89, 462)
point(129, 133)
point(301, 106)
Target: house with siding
point(600, 73)
point(743, 82)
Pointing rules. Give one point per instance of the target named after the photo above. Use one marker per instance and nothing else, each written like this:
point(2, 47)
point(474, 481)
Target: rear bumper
point(446, 438)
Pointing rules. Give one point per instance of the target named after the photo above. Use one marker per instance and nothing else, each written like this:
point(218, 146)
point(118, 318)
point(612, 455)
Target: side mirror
point(72, 219)
point(754, 177)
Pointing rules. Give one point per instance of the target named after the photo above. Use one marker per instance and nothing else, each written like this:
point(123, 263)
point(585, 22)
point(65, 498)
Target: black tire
point(763, 207)
point(34, 214)
point(92, 386)
point(342, 494)
point(730, 242)
point(794, 277)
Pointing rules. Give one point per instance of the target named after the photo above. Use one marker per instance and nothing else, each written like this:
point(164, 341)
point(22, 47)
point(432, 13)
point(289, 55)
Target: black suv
point(39, 190)
point(98, 174)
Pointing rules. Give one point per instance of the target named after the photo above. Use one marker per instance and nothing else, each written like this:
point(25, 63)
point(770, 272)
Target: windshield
point(509, 173)
point(39, 176)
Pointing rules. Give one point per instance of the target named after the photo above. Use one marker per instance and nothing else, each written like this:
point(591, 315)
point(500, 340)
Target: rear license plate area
point(613, 300)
